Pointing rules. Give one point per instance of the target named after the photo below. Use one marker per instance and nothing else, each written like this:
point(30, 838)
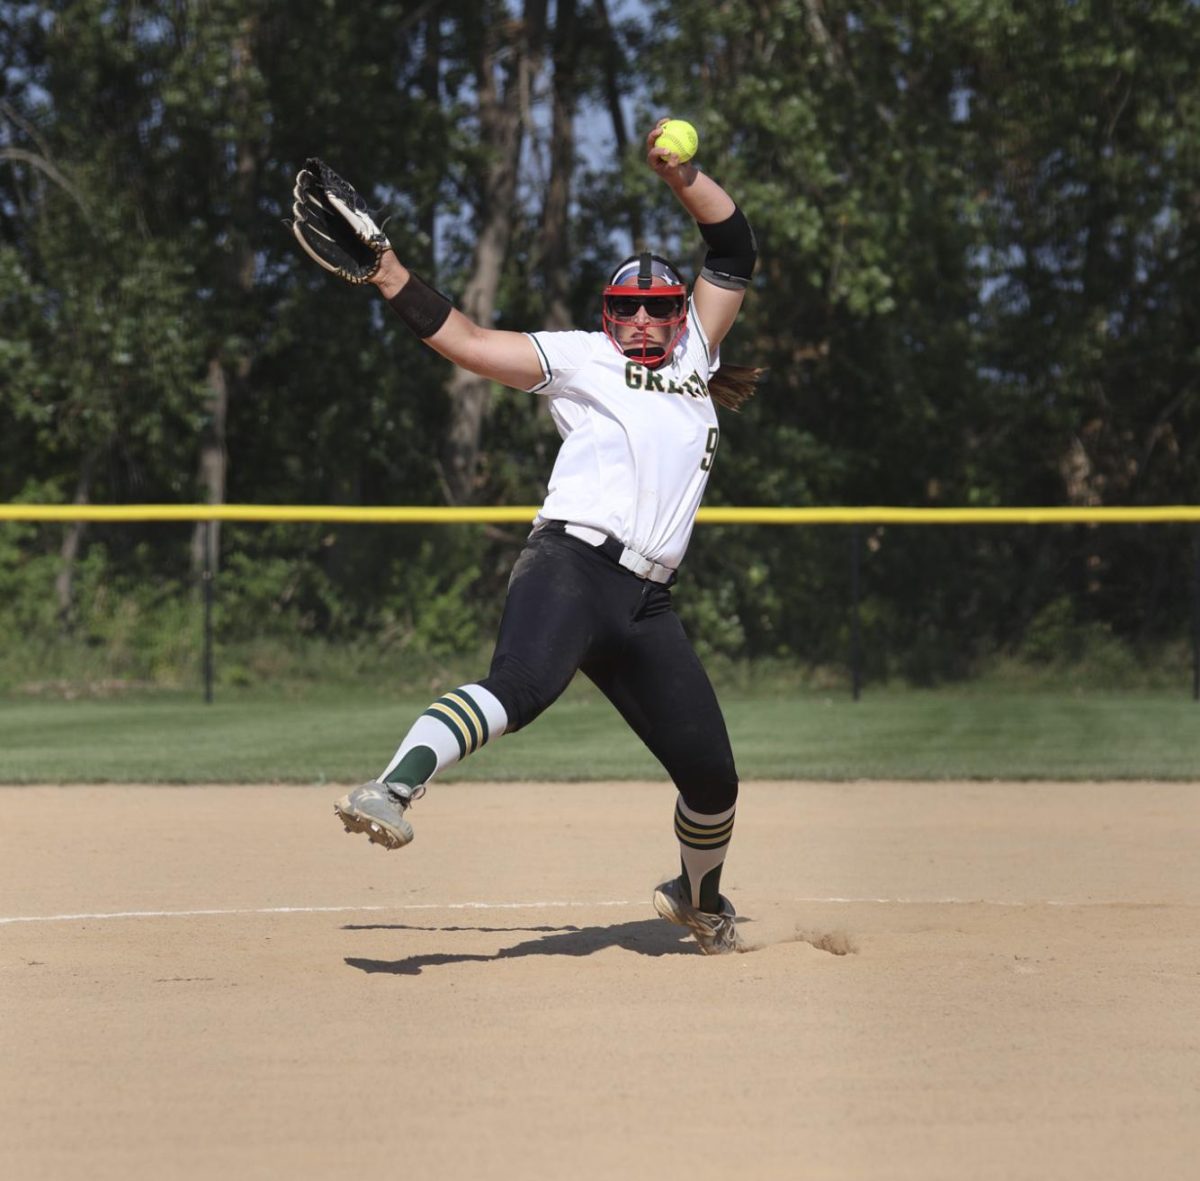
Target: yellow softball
point(680, 137)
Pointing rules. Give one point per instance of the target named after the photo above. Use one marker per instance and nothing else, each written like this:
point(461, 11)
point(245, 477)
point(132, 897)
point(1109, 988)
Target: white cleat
point(377, 810)
point(715, 933)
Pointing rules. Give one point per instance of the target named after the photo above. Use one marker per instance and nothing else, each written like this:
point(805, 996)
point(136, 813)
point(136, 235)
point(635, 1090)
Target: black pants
point(570, 607)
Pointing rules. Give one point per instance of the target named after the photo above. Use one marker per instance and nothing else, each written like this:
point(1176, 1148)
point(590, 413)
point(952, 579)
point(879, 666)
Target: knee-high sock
point(703, 843)
point(457, 724)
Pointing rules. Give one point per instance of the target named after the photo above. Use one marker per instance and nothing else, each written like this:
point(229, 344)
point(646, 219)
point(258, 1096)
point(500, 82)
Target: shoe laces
point(408, 796)
point(722, 928)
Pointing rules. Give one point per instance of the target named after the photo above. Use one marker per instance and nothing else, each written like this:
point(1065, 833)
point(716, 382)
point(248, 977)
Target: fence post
point(206, 578)
point(1196, 612)
point(855, 631)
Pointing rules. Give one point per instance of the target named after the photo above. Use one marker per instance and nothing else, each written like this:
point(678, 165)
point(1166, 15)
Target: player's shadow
point(644, 936)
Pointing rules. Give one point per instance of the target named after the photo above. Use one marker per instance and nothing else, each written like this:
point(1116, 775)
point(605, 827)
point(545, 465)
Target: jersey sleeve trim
point(699, 328)
point(547, 372)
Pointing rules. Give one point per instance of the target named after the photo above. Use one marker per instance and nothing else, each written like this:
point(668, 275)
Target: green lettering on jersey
point(638, 377)
point(696, 386)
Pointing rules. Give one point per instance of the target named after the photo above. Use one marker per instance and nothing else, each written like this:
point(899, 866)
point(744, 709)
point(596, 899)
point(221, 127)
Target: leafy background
point(978, 225)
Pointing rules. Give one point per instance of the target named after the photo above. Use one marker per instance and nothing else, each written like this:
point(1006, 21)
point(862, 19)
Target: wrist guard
point(422, 308)
point(732, 251)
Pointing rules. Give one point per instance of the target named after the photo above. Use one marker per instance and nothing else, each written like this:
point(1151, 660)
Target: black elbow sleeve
point(732, 251)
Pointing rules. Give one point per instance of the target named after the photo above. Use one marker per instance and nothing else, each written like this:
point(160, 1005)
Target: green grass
point(343, 736)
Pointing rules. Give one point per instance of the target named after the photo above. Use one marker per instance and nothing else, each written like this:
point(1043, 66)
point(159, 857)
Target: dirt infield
point(949, 981)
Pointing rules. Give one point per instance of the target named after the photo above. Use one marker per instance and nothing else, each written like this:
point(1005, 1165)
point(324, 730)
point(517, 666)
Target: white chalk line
point(546, 904)
point(188, 914)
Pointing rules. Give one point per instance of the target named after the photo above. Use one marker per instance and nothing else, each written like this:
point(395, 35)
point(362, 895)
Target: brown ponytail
point(732, 386)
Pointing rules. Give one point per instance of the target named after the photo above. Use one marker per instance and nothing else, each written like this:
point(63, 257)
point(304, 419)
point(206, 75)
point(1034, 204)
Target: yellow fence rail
point(523, 514)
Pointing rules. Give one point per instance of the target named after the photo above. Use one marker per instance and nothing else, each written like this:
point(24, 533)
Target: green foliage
point(978, 248)
point(25, 578)
point(1056, 638)
point(1053, 633)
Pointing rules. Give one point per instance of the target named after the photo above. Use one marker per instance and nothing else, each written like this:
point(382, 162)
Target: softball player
point(634, 405)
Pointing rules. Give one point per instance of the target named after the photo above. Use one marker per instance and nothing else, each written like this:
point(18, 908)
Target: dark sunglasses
point(658, 307)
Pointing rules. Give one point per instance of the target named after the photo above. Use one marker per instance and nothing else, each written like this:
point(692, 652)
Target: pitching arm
point(721, 287)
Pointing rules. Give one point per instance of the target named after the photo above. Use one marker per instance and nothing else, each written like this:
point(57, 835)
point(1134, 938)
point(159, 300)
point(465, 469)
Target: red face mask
point(645, 309)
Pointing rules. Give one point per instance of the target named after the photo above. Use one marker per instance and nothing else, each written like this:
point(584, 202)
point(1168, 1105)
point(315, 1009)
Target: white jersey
point(638, 443)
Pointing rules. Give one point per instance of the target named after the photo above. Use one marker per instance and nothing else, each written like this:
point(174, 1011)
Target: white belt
point(634, 562)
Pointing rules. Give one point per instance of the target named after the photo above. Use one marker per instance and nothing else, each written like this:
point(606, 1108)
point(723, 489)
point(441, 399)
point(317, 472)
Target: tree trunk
point(226, 376)
point(555, 246)
point(212, 466)
point(510, 48)
point(614, 70)
point(431, 85)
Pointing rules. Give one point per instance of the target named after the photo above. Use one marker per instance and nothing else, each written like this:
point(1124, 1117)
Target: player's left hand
point(332, 223)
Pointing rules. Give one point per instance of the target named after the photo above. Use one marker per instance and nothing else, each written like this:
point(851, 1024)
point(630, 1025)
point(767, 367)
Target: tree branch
point(21, 156)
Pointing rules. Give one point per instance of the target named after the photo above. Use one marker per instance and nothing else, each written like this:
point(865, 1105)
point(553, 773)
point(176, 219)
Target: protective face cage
point(648, 300)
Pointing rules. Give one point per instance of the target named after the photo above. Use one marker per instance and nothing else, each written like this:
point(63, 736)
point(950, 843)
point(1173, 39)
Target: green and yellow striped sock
point(457, 724)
